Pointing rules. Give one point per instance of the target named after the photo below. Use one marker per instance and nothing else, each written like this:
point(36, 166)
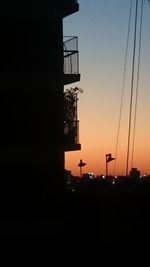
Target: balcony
point(71, 122)
point(71, 137)
point(69, 7)
point(71, 60)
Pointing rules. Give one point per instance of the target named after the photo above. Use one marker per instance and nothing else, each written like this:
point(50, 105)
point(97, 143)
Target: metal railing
point(71, 55)
point(72, 134)
point(77, 132)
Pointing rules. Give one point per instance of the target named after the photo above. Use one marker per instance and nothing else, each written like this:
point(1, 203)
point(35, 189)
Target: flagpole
point(108, 159)
point(106, 166)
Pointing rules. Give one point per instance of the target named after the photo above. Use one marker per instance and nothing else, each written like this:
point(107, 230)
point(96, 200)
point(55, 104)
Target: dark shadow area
point(109, 225)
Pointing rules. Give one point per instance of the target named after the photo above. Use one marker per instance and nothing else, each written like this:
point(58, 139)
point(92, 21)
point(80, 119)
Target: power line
point(123, 85)
point(137, 84)
point(132, 83)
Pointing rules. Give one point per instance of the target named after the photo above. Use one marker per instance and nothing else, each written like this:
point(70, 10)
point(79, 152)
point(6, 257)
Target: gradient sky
point(101, 26)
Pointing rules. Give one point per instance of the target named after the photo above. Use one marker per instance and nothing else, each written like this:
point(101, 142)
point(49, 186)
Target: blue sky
point(101, 26)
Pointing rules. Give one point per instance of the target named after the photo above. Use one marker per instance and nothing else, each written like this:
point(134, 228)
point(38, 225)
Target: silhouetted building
point(134, 173)
point(36, 62)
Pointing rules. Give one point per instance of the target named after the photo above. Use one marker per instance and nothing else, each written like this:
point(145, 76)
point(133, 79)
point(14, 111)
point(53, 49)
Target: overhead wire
point(123, 85)
point(137, 83)
point(132, 85)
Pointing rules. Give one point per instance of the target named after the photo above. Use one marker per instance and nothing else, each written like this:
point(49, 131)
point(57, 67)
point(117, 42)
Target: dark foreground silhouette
point(110, 225)
point(102, 225)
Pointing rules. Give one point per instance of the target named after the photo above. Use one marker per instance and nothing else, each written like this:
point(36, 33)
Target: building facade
point(35, 65)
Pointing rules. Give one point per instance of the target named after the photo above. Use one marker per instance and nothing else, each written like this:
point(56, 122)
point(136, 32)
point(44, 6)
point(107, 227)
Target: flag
point(109, 158)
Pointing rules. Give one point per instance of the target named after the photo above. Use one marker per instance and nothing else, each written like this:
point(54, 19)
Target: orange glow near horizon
point(98, 137)
point(98, 167)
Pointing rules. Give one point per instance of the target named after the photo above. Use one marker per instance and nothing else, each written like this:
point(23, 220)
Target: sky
point(101, 27)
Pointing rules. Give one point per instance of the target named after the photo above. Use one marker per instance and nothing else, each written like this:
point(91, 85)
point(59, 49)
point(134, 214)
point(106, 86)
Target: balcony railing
point(71, 55)
point(71, 137)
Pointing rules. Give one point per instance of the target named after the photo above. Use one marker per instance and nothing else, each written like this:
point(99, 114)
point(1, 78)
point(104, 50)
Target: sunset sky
point(101, 26)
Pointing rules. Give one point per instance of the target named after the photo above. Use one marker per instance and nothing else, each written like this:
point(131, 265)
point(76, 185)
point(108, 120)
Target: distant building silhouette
point(36, 63)
point(135, 173)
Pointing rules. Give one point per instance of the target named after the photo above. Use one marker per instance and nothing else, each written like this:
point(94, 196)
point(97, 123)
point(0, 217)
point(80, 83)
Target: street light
point(81, 164)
